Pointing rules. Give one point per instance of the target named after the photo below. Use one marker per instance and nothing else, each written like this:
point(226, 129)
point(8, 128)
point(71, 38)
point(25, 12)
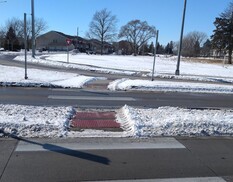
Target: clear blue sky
point(165, 15)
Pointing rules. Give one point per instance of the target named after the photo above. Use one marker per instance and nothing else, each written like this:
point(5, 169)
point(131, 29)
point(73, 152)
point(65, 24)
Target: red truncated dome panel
point(95, 120)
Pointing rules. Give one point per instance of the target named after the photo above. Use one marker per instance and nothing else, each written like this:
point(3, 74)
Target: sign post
point(155, 51)
point(68, 42)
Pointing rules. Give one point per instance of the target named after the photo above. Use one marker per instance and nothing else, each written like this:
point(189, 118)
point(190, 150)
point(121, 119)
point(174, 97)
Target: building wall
point(52, 41)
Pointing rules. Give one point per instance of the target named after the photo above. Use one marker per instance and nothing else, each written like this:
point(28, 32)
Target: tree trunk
point(230, 55)
point(102, 45)
point(135, 50)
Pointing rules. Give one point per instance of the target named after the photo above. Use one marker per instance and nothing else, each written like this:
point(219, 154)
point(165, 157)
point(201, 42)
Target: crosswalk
point(67, 97)
point(200, 179)
point(158, 143)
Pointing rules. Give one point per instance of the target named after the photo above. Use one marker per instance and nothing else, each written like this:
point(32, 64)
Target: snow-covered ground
point(163, 64)
point(35, 121)
point(62, 63)
point(14, 76)
point(132, 65)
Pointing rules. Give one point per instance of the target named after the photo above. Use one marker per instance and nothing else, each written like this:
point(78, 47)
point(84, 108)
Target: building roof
point(70, 36)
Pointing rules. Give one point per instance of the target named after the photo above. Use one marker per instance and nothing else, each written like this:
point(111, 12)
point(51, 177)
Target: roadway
point(86, 98)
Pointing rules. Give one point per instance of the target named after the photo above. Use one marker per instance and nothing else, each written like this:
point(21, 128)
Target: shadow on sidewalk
point(65, 151)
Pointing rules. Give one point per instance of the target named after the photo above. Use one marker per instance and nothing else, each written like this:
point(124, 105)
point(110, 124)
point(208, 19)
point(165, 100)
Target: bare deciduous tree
point(192, 43)
point(137, 33)
point(103, 27)
point(18, 26)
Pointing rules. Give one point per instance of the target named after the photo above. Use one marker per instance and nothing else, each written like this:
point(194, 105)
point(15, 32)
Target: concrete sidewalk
point(100, 159)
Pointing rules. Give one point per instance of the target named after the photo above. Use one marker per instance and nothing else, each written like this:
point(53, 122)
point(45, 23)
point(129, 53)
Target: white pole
point(67, 53)
point(155, 51)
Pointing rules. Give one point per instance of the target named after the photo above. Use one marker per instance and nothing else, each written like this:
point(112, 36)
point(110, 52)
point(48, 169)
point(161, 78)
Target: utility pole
point(181, 38)
point(33, 30)
point(155, 51)
point(25, 44)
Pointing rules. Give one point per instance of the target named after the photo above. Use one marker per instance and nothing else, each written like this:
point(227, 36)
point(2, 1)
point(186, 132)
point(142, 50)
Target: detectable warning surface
point(95, 120)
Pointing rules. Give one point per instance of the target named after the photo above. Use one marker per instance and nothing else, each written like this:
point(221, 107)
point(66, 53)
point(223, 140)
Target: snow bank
point(14, 76)
point(146, 85)
point(37, 121)
point(172, 121)
point(34, 121)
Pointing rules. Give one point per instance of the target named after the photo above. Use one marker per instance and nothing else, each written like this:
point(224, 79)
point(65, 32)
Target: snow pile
point(34, 121)
point(195, 78)
point(172, 121)
point(146, 85)
point(37, 121)
point(13, 76)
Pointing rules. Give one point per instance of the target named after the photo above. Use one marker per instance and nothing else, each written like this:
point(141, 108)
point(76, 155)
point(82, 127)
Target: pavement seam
point(8, 160)
point(199, 159)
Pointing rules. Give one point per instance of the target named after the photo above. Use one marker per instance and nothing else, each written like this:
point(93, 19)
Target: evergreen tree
point(206, 48)
point(144, 49)
point(167, 49)
point(160, 49)
point(171, 47)
point(152, 48)
point(222, 39)
point(11, 42)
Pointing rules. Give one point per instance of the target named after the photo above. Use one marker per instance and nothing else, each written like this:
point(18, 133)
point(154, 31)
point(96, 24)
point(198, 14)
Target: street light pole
point(25, 44)
point(33, 29)
point(181, 38)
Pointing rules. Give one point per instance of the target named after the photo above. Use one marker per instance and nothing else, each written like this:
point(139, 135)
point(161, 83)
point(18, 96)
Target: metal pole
point(77, 40)
point(67, 53)
point(181, 38)
point(25, 44)
point(155, 51)
point(33, 29)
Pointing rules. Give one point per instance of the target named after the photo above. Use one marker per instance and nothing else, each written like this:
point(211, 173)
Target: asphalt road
point(54, 160)
point(90, 98)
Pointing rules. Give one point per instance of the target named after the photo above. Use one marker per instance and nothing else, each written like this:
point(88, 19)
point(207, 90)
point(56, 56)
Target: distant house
point(95, 46)
point(56, 41)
